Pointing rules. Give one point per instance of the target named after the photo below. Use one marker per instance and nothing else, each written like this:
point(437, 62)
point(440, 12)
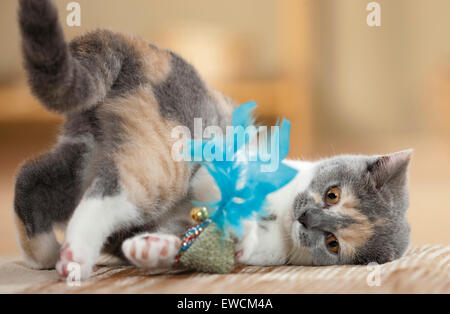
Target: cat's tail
point(63, 80)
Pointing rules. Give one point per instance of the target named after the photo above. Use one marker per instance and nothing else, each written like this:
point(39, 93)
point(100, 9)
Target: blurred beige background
point(345, 86)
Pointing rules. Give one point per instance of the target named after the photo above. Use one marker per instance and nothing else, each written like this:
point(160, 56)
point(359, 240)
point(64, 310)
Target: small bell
point(199, 214)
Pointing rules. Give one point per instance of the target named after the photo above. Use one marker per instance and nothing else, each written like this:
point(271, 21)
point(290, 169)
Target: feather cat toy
point(243, 186)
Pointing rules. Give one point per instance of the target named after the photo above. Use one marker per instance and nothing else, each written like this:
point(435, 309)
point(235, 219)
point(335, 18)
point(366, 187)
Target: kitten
point(111, 181)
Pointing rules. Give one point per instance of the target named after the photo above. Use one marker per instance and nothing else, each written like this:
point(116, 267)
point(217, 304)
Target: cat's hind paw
point(151, 250)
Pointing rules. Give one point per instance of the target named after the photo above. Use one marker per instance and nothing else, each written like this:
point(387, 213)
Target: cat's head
point(353, 210)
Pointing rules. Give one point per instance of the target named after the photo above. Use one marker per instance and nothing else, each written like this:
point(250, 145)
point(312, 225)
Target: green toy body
point(211, 252)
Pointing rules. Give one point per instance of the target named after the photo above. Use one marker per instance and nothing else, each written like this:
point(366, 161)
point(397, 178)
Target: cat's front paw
point(74, 261)
point(151, 250)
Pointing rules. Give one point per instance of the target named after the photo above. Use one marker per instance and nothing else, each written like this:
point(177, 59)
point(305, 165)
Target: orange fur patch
point(156, 61)
point(25, 243)
point(357, 233)
point(224, 104)
point(147, 170)
point(39, 251)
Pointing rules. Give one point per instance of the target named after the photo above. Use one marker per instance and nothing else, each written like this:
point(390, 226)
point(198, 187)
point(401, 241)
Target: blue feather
point(242, 184)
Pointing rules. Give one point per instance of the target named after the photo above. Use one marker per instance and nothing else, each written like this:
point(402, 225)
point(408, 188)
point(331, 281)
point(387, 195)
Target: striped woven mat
point(423, 269)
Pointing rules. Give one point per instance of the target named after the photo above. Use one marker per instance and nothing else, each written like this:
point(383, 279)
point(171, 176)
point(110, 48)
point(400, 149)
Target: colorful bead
point(189, 238)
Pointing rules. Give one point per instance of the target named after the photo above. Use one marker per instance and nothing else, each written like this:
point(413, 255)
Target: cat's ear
point(390, 169)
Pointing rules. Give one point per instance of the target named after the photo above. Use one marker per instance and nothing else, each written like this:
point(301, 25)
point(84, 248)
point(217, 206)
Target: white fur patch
point(92, 222)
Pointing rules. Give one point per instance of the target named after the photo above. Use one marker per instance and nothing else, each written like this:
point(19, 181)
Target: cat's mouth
point(301, 254)
point(299, 234)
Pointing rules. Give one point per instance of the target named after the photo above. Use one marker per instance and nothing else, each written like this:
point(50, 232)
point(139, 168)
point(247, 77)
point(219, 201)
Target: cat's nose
point(303, 219)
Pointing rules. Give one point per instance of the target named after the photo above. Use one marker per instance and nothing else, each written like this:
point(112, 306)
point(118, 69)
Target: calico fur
point(121, 97)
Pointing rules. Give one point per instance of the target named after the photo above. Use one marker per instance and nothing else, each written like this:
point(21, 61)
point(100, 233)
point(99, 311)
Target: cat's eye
point(333, 196)
point(332, 243)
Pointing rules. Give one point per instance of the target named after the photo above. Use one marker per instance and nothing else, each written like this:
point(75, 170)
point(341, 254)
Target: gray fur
point(67, 77)
point(380, 186)
point(313, 216)
point(262, 223)
point(48, 188)
point(183, 96)
point(106, 182)
point(271, 217)
point(82, 123)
